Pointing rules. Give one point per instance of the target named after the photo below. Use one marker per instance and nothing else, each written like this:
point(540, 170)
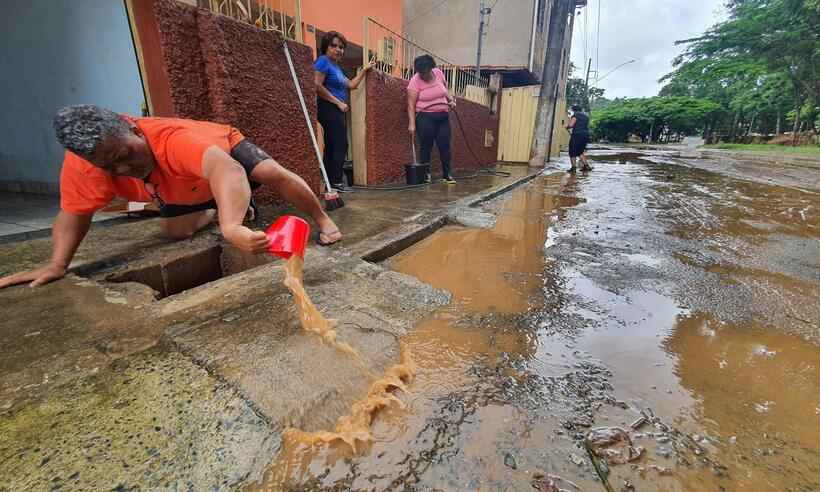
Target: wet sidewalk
point(674, 305)
point(160, 364)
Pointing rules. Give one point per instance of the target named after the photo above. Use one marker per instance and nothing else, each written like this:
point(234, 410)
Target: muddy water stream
point(352, 432)
point(559, 325)
point(309, 317)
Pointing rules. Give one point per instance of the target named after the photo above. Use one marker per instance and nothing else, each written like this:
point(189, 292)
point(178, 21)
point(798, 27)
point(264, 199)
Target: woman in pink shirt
point(428, 108)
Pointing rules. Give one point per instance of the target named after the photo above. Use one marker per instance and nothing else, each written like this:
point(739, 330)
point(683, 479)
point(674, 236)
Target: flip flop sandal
point(326, 243)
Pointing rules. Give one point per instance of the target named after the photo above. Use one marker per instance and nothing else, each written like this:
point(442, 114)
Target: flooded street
point(674, 304)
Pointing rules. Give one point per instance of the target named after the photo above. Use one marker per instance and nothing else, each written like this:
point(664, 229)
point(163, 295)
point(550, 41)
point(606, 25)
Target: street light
point(610, 72)
point(597, 80)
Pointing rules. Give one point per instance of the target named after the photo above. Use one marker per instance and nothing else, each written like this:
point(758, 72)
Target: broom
point(331, 197)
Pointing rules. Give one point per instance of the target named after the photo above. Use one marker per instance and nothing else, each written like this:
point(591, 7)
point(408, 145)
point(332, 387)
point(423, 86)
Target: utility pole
point(550, 80)
point(586, 89)
point(482, 11)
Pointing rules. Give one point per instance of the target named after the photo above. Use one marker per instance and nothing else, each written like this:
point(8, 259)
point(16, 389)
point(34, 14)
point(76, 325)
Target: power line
point(586, 34)
point(434, 7)
point(598, 44)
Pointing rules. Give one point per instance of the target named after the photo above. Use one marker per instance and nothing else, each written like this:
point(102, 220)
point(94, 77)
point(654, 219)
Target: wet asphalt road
point(678, 304)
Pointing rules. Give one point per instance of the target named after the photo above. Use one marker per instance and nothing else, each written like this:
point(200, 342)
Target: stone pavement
point(160, 364)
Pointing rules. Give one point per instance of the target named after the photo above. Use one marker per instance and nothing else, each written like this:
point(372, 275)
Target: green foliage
point(576, 93)
point(758, 65)
point(652, 118)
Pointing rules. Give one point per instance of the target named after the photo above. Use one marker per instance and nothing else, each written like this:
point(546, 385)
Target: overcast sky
point(643, 30)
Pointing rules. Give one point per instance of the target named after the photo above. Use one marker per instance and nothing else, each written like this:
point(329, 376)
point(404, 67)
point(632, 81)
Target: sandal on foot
point(327, 243)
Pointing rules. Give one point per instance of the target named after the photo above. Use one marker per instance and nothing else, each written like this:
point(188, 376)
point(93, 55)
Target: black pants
point(335, 127)
point(578, 144)
point(432, 127)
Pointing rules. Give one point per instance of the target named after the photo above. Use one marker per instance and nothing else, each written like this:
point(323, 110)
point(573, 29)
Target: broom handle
point(307, 116)
point(413, 146)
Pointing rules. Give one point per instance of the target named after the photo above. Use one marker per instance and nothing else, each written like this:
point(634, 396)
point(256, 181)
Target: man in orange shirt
point(194, 170)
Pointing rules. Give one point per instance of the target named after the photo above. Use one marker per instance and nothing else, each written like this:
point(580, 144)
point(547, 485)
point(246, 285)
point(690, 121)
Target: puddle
point(757, 396)
point(468, 397)
point(534, 352)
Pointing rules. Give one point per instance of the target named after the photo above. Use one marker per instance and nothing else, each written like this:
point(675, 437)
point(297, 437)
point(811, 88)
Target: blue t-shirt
point(335, 79)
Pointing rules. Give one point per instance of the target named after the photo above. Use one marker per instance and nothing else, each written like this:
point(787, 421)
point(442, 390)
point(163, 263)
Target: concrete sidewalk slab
point(149, 421)
point(234, 339)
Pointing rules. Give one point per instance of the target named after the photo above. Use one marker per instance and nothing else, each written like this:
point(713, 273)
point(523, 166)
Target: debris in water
point(544, 484)
point(637, 424)
point(509, 461)
point(763, 351)
point(613, 444)
point(764, 407)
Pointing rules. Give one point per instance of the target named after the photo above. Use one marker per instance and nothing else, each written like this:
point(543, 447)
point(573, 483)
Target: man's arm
point(571, 124)
point(67, 234)
point(232, 193)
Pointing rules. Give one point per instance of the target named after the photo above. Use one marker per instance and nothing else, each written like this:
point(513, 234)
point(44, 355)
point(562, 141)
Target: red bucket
point(288, 236)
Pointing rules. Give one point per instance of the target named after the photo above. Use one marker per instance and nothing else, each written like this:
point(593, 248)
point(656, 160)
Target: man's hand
point(342, 107)
point(452, 103)
point(37, 277)
point(246, 239)
point(412, 127)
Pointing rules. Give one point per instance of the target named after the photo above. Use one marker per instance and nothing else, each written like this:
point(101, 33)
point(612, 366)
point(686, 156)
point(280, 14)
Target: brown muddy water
point(352, 432)
point(672, 307)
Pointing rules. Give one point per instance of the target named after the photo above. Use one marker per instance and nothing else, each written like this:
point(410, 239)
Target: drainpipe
point(537, 5)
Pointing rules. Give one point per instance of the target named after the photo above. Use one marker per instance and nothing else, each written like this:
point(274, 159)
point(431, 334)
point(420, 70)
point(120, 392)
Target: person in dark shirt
point(579, 126)
point(332, 87)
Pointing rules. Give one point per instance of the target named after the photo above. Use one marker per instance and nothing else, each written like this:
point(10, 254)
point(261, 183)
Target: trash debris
point(509, 461)
point(544, 484)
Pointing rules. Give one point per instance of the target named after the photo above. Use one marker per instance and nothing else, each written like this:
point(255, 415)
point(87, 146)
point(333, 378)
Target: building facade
point(515, 32)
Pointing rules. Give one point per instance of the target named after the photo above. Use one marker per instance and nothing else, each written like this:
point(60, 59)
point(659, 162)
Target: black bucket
point(417, 173)
point(347, 167)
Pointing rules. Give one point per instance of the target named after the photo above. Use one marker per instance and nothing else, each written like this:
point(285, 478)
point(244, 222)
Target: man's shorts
point(247, 155)
point(578, 144)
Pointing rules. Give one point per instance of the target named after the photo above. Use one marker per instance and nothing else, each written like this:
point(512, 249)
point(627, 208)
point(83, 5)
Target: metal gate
point(517, 122)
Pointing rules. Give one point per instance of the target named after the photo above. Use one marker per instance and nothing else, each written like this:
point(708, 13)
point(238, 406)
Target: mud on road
point(647, 326)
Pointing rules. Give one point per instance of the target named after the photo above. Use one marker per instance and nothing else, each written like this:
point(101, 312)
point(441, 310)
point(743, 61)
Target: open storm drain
point(186, 272)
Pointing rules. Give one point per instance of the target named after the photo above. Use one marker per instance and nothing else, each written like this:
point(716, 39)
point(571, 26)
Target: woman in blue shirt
point(332, 101)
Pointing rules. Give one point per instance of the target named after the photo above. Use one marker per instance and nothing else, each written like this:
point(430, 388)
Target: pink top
point(432, 95)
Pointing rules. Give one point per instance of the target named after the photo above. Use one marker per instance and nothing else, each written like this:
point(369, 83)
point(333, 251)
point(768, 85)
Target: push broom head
point(332, 200)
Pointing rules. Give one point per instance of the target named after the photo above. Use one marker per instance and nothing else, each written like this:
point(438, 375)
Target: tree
point(756, 65)
point(577, 93)
point(653, 119)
